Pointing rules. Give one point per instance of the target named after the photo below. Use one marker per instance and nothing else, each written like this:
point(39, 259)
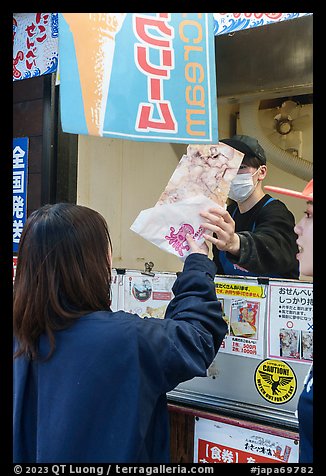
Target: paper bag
point(200, 181)
point(166, 225)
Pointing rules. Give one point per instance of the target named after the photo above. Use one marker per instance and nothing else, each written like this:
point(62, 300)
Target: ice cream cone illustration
point(94, 40)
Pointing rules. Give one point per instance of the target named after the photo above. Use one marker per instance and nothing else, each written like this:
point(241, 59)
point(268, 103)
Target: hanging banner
point(35, 44)
point(139, 76)
point(19, 186)
point(230, 22)
point(35, 37)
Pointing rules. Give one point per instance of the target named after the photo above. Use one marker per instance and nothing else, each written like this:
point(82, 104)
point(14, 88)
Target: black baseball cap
point(248, 146)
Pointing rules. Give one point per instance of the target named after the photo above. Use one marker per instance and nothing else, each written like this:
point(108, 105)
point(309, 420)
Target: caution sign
point(275, 381)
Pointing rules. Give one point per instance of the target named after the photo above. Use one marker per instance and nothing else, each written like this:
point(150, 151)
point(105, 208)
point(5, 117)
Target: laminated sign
point(139, 76)
point(220, 442)
point(243, 309)
point(290, 322)
point(200, 181)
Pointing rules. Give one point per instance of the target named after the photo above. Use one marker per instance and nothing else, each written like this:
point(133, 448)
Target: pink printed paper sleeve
point(200, 181)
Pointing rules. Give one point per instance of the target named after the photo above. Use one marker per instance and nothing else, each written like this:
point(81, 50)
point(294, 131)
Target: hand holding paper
point(222, 228)
point(166, 226)
point(195, 247)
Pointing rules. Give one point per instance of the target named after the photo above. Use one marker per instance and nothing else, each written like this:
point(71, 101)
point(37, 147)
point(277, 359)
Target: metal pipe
point(250, 126)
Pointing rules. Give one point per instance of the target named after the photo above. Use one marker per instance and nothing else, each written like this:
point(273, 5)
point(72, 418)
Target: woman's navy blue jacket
point(101, 397)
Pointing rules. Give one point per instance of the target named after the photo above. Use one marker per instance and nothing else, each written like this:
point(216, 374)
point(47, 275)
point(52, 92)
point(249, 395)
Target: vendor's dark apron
point(233, 269)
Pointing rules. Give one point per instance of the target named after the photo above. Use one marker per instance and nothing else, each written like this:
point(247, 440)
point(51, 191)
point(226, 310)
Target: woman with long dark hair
point(90, 384)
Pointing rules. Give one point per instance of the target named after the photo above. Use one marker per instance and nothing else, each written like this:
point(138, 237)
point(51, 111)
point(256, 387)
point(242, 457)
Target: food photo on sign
point(200, 181)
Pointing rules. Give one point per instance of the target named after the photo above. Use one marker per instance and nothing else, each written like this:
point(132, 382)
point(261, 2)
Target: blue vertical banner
point(139, 76)
point(19, 187)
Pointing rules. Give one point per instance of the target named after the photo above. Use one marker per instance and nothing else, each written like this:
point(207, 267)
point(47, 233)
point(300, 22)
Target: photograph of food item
point(157, 312)
point(307, 345)
point(242, 329)
point(289, 343)
point(248, 314)
point(244, 319)
point(142, 291)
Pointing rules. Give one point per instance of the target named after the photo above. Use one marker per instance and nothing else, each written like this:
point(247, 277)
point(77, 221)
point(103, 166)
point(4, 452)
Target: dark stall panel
point(28, 115)
point(67, 153)
point(265, 62)
point(52, 158)
point(182, 427)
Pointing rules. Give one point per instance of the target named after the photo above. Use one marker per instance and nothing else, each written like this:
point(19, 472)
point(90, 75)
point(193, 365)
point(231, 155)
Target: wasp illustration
point(282, 381)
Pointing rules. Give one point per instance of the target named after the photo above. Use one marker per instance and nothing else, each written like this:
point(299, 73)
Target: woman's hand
point(220, 222)
point(195, 247)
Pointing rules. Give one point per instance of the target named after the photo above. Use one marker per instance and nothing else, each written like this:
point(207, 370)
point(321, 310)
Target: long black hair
point(63, 272)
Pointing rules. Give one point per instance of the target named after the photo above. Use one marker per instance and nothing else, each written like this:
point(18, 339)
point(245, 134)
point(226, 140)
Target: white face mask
point(242, 186)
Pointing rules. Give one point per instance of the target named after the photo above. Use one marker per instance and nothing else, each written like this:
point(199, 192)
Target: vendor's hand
point(195, 247)
point(220, 222)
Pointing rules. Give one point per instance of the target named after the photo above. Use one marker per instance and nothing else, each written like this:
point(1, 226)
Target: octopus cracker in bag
point(200, 181)
point(205, 170)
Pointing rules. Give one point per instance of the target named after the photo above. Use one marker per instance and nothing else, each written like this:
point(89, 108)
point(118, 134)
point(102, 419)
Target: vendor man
point(255, 235)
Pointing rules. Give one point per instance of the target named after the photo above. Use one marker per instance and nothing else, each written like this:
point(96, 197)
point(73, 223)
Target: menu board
point(244, 306)
point(145, 294)
point(290, 321)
